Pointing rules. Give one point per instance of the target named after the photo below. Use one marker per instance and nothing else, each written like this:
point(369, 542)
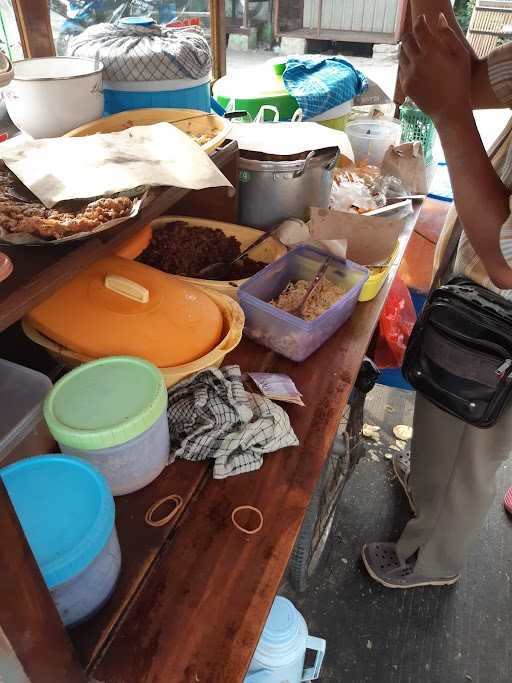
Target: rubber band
point(243, 529)
point(178, 500)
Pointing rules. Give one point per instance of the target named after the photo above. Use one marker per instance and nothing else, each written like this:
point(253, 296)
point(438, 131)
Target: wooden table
point(194, 595)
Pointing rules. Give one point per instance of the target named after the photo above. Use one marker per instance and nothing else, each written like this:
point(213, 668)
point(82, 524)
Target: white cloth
point(139, 53)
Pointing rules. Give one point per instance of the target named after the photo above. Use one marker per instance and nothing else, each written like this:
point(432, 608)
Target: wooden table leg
point(31, 631)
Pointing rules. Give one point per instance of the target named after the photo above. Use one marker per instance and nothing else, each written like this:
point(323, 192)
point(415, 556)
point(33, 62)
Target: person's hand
point(435, 69)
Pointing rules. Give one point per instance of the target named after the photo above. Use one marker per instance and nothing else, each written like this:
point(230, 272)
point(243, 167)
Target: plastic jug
point(279, 657)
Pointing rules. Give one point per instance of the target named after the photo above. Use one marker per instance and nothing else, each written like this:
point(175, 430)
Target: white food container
point(371, 138)
point(50, 96)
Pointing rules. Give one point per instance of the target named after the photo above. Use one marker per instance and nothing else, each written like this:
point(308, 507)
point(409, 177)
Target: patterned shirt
point(467, 262)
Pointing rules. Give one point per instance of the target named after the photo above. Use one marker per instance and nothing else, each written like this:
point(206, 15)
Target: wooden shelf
point(39, 271)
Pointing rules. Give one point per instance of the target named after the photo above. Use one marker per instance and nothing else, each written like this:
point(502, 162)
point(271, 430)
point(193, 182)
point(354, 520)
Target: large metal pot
point(273, 191)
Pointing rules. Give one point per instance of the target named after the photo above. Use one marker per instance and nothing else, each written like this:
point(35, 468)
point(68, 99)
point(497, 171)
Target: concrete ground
point(426, 635)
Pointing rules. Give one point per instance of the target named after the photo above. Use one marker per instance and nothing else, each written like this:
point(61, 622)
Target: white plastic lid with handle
point(279, 657)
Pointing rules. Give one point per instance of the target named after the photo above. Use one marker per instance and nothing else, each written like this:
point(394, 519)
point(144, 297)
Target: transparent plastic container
point(131, 465)
point(112, 413)
point(283, 332)
point(23, 431)
point(371, 138)
point(84, 595)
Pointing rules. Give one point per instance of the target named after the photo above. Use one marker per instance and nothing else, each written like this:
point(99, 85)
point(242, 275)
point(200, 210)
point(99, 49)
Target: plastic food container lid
point(120, 307)
point(66, 510)
point(22, 392)
point(373, 129)
point(105, 403)
point(136, 21)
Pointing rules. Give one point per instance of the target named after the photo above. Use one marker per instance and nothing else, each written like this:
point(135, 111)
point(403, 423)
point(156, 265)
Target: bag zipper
point(498, 323)
point(505, 330)
point(482, 346)
point(503, 372)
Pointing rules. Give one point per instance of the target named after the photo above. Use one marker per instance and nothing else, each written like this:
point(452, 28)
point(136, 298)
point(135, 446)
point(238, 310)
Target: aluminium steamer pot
point(273, 191)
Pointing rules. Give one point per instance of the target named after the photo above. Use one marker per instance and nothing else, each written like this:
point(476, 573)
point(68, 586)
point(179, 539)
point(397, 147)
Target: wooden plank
point(200, 613)
point(33, 19)
point(39, 271)
point(11, 668)
point(335, 35)
point(28, 617)
point(221, 203)
point(141, 545)
point(218, 39)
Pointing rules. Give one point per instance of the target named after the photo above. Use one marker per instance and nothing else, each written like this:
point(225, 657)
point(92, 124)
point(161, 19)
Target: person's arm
point(435, 71)
point(483, 95)
point(482, 200)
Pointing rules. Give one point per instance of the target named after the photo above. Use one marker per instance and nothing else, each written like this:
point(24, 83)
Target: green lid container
point(253, 88)
point(105, 403)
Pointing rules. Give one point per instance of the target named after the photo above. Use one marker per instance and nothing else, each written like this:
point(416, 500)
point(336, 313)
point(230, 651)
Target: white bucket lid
point(335, 112)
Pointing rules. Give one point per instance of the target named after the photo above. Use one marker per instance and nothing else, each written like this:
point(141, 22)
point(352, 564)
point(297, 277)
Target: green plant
point(463, 12)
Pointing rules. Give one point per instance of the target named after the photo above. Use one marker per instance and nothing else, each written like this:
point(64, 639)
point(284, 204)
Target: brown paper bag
point(407, 162)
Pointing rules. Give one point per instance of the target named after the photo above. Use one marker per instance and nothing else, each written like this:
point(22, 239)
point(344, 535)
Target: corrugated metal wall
point(488, 25)
point(376, 16)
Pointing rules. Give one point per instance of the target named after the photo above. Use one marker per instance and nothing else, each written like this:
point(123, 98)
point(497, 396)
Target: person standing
point(449, 477)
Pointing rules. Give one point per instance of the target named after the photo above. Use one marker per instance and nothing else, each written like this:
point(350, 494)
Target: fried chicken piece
point(21, 217)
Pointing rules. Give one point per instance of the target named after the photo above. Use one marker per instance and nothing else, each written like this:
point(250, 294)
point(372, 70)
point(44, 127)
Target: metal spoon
point(216, 271)
point(314, 284)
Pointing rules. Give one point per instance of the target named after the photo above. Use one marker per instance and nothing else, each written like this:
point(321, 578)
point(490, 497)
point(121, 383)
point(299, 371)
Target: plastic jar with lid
point(67, 513)
point(113, 413)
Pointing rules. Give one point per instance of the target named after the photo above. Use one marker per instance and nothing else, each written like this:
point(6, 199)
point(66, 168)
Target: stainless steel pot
point(272, 191)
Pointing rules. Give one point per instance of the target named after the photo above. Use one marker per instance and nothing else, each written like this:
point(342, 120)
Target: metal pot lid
point(280, 164)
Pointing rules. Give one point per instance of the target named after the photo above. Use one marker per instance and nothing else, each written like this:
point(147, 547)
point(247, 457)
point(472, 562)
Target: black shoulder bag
point(459, 355)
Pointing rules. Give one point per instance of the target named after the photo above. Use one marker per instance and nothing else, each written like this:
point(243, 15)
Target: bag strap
point(496, 153)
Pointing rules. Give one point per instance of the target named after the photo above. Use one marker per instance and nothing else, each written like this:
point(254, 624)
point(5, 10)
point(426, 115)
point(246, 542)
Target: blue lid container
point(136, 21)
point(66, 510)
point(283, 332)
